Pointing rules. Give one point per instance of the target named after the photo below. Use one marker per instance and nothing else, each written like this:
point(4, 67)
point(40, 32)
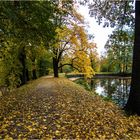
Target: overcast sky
point(100, 33)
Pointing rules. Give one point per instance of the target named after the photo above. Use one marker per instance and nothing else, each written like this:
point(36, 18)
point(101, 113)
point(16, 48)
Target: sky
point(100, 33)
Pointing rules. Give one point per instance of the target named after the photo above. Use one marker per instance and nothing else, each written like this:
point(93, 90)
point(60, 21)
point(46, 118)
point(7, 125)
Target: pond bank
point(100, 75)
point(60, 109)
point(114, 89)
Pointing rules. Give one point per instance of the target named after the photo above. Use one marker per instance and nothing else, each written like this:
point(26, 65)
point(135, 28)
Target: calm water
point(116, 89)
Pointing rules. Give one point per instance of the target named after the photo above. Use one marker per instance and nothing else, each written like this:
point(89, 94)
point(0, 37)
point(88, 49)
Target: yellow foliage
point(83, 64)
point(72, 46)
point(56, 108)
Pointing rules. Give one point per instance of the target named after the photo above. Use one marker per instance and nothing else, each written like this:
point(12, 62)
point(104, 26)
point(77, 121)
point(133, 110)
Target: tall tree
point(65, 13)
point(72, 49)
point(121, 12)
point(27, 23)
point(133, 104)
point(119, 49)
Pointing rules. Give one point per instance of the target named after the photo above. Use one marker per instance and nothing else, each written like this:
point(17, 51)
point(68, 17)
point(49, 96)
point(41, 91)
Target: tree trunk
point(22, 58)
point(133, 104)
point(61, 68)
point(34, 75)
point(55, 67)
point(27, 75)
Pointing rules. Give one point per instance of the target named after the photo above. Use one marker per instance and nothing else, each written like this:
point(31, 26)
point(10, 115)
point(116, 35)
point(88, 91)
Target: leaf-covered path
point(59, 109)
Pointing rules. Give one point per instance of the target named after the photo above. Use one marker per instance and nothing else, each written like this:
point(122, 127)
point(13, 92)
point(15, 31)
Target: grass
point(56, 108)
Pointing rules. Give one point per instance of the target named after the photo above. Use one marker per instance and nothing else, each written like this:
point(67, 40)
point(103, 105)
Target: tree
point(72, 49)
point(69, 36)
point(94, 57)
point(119, 50)
point(112, 13)
point(36, 53)
point(120, 12)
point(64, 18)
point(10, 67)
point(106, 63)
point(133, 104)
point(26, 23)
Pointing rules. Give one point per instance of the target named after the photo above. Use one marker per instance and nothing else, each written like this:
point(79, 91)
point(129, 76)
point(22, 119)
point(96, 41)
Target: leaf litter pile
point(56, 108)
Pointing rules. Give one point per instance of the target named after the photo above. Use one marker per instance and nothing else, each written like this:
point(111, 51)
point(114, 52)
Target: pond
point(116, 89)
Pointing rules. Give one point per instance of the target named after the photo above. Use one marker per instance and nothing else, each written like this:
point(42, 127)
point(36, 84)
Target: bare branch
point(68, 64)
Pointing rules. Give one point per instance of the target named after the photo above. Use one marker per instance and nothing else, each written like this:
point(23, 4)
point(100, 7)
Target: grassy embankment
point(58, 108)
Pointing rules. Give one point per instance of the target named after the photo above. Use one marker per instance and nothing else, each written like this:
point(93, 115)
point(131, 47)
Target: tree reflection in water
point(116, 89)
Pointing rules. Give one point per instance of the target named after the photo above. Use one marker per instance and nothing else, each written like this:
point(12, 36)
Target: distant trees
point(119, 14)
point(94, 57)
point(119, 50)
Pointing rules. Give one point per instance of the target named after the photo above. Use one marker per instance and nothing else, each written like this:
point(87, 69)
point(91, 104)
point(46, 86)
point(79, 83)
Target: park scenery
point(54, 83)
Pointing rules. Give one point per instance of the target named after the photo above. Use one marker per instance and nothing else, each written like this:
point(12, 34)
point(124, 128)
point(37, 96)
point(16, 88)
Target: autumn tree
point(94, 57)
point(65, 16)
point(72, 49)
point(70, 36)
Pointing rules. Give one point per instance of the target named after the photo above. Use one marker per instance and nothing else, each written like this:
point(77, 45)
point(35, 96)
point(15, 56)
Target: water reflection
point(116, 89)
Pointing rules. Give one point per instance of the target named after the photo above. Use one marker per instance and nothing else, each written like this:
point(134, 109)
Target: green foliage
point(113, 13)
point(26, 29)
point(84, 83)
point(119, 50)
point(10, 68)
point(44, 64)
